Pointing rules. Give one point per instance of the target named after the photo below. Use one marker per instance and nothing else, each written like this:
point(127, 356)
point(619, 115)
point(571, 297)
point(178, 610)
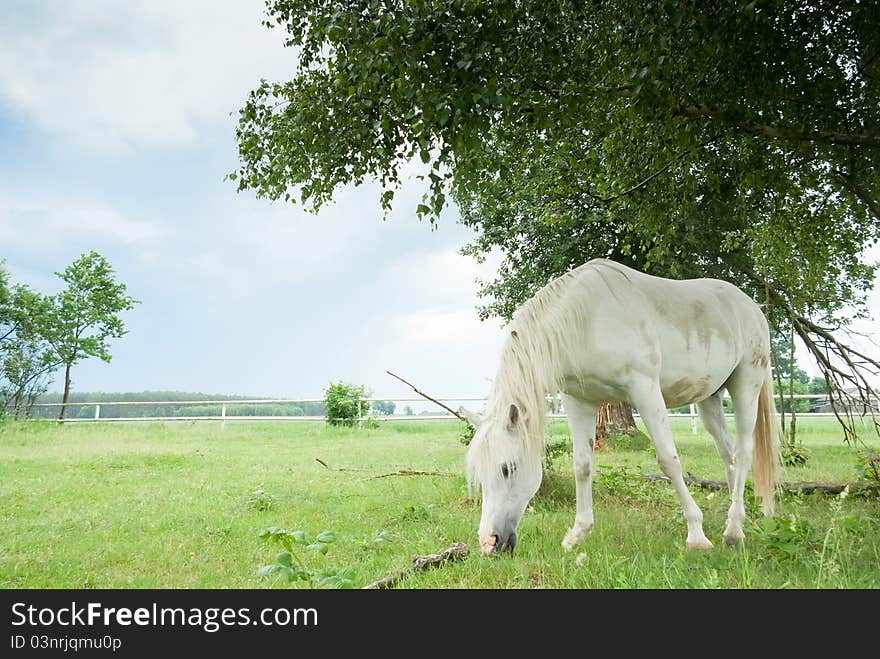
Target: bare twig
point(412, 472)
point(326, 466)
point(399, 472)
point(424, 395)
point(456, 552)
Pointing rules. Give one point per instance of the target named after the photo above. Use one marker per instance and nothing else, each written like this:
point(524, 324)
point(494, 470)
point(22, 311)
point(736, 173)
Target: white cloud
point(439, 327)
point(27, 224)
point(111, 76)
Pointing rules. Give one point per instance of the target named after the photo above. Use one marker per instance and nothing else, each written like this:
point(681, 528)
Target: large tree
point(729, 139)
point(86, 314)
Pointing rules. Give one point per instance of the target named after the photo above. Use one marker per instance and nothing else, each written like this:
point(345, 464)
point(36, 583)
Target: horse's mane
point(543, 335)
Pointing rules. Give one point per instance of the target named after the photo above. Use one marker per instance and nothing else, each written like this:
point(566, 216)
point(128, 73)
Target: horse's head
point(509, 473)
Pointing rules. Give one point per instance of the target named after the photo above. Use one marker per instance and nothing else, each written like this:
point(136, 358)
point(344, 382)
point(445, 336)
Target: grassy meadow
point(181, 505)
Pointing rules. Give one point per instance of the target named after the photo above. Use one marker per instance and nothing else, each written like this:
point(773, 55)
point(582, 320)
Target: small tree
point(344, 403)
point(85, 315)
point(26, 359)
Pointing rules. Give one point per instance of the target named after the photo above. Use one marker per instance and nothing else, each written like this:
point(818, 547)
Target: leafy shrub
point(344, 403)
point(795, 455)
point(869, 467)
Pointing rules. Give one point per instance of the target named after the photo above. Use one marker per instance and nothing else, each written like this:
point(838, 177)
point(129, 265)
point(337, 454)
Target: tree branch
point(639, 185)
point(850, 183)
point(700, 111)
point(424, 395)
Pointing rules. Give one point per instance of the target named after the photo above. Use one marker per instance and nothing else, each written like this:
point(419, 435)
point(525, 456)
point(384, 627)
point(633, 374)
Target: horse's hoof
point(732, 540)
point(699, 544)
point(572, 539)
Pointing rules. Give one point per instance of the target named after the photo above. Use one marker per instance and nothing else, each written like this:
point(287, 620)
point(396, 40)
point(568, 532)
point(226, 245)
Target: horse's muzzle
point(495, 544)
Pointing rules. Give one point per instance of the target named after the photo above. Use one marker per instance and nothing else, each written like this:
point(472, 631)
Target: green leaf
point(284, 558)
point(299, 537)
point(268, 569)
point(318, 546)
point(425, 156)
point(326, 536)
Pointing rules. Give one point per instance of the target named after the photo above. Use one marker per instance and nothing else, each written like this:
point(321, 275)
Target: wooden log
point(456, 552)
point(805, 487)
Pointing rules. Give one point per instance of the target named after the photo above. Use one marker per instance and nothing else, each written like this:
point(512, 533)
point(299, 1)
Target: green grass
point(174, 506)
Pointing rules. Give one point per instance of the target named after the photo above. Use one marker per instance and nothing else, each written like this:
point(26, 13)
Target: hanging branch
point(842, 365)
point(424, 395)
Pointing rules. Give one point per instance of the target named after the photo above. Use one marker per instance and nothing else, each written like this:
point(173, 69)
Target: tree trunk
point(793, 421)
point(613, 419)
point(66, 393)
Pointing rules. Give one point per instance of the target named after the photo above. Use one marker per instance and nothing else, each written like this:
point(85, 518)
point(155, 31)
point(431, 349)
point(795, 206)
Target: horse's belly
point(697, 377)
point(684, 391)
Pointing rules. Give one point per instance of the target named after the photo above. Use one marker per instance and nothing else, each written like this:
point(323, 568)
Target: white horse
point(605, 332)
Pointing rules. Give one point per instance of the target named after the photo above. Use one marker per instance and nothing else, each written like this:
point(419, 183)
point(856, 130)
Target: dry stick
point(412, 472)
point(326, 466)
point(399, 472)
point(424, 395)
point(805, 487)
point(456, 552)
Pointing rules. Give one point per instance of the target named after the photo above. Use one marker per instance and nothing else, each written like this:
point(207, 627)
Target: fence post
point(693, 419)
point(223, 416)
point(97, 412)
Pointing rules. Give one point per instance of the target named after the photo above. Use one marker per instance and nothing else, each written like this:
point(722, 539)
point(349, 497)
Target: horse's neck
point(520, 381)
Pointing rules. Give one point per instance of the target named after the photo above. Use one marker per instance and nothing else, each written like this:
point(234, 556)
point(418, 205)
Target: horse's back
point(688, 334)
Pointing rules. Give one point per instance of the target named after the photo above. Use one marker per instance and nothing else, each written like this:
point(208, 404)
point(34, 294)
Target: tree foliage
point(26, 358)
point(731, 139)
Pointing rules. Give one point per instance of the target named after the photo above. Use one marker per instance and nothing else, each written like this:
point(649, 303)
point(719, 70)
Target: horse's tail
point(765, 463)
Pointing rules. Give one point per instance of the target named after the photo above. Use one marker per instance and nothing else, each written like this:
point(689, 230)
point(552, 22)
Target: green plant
point(868, 466)
point(344, 403)
point(260, 500)
point(553, 448)
point(633, 440)
point(466, 434)
point(290, 563)
point(784, 537)
point(795, 455)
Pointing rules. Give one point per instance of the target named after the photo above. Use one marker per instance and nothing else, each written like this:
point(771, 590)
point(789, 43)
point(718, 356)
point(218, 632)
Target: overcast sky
point(116, 129)
point(115, 135)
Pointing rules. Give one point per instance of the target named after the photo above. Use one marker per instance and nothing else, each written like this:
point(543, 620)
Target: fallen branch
point(326, 466)
point(456, 552)
point(424, 395)
point(412, 472)
point(805, 487)
point(399, 472)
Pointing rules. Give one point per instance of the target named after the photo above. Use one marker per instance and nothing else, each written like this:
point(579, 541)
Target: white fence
point(101, 409)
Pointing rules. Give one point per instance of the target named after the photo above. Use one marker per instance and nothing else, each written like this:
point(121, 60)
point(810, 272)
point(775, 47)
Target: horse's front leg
point(582, 421)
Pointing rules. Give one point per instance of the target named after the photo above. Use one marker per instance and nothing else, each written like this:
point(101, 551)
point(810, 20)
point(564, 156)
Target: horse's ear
point(512, 416)
point(473, 418)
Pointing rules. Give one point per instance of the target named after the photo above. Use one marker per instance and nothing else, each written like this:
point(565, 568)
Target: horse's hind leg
point(649, 401)
point(712, 416)
point(744, 386)
point(582, 420)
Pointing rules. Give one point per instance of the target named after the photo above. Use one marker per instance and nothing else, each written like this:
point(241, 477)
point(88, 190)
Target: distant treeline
point(136, 411)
